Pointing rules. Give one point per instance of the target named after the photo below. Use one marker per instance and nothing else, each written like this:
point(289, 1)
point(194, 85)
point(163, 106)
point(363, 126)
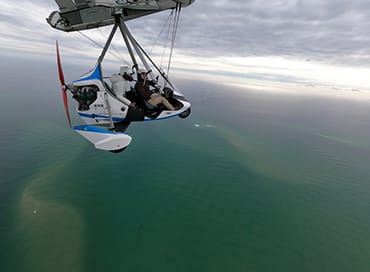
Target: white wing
point(68, 5)
point(76, 15)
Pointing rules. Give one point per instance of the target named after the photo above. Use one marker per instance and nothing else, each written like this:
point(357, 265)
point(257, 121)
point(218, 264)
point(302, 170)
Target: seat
point(149, 106)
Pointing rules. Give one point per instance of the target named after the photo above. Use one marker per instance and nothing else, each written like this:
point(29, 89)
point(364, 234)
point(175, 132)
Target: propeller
point(63, 85)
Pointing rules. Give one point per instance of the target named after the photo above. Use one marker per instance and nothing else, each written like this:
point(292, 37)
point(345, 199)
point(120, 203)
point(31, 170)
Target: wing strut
point(124, 30)
point(129, 38)
point(107, 44)
point(141, 53)
point(134, 47)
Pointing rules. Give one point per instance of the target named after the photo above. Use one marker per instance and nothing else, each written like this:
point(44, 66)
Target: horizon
point(328, 74)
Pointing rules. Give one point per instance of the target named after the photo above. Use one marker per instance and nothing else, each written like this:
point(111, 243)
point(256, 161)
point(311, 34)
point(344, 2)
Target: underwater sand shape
point(50, 232)
point(51, 235)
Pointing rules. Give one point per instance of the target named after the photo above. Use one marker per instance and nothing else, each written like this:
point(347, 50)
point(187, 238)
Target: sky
point(291, 45)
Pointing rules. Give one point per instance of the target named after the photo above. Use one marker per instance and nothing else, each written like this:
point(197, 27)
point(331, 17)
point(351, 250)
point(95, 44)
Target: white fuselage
point(108, 107)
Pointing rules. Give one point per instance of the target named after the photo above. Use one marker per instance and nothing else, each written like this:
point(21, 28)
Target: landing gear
point(118, 150)
point(185, 114)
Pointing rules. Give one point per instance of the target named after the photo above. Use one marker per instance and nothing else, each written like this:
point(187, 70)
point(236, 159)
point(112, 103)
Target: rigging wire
point(160, 33)
point(174, 32)
point(115, 54)
point(90, 39)
point(163, 74)
point(173, 24)
point(166, 41)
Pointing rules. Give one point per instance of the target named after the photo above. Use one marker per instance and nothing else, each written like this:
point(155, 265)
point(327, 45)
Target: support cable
point(114, 54)
point(107, 44)
point(138, 47)
point(117, 54)
point(160, 33)
point(124, 30)
point(166, 41)
point(174, 32)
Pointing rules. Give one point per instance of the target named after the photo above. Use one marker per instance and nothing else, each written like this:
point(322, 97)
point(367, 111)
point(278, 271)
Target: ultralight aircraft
point(107, 107)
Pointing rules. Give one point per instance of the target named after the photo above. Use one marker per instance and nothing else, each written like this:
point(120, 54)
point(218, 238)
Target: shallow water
point(249, 182)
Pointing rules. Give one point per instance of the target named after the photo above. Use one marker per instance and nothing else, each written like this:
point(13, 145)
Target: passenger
point(142, 88)
point(120, 81)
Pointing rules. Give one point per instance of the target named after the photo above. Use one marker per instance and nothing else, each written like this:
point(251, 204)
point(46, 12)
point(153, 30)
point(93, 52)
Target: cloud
point(305, 41)
point(330, 31)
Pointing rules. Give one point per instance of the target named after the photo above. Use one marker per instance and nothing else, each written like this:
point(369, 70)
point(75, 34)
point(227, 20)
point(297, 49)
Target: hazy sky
point(313, 44)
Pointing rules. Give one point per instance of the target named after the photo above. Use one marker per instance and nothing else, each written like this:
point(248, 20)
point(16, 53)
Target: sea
point(253, 180)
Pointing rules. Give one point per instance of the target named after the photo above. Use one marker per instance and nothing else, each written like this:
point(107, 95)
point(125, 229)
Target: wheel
point(185, 113)
point(118, 150)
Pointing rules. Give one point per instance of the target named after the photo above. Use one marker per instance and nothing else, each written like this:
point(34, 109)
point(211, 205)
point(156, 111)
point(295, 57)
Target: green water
point(249, 182)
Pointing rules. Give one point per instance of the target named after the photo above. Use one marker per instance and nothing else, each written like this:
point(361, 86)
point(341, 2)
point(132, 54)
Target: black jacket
point(144, 89)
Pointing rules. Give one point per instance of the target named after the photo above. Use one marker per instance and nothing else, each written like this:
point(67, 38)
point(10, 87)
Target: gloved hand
point(157, 87)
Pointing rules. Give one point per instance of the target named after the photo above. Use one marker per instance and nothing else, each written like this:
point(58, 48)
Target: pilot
point(142, 88)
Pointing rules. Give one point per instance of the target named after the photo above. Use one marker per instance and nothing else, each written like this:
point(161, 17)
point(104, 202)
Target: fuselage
point(98, 104)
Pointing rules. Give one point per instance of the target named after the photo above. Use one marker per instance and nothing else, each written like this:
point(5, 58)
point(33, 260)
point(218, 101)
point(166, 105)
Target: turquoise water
point(249, 182)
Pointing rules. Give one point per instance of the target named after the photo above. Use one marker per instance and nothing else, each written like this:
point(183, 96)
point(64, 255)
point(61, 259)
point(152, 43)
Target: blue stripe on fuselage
point(93, 116)
point(96, 74)
point(95, 129)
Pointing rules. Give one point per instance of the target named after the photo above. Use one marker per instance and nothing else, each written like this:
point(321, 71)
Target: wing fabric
point(74, 15)
point(82, 3)
point(66, 5)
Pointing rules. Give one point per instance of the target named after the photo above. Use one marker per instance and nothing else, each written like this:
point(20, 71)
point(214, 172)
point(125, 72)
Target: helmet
point(123, 69)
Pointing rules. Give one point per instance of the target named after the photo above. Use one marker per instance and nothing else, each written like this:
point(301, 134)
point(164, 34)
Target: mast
point(108, 43)
point(134, 48)
point(124, 31)
point(128, 36)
